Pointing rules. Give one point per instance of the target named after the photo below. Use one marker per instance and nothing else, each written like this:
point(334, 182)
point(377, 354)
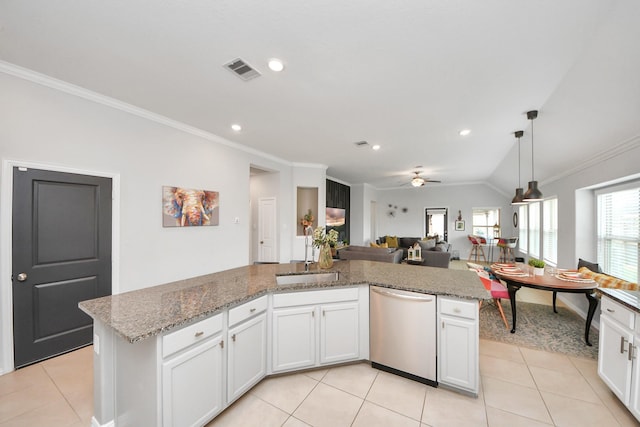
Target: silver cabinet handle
point(630, 352)
point(610, 310)
point(233, 337)
point(199, 334)
point(622, 341)
point(251, 310)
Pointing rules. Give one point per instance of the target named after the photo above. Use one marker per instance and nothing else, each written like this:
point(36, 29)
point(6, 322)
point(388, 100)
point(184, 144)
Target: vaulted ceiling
point(406, 75)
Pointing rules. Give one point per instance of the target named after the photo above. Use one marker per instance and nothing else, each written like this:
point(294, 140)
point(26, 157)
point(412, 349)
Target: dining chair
point(476, 247)
point(497, 289)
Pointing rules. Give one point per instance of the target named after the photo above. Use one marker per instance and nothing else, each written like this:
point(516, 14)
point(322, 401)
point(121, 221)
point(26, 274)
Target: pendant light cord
point(519, 186)
point(532, 169)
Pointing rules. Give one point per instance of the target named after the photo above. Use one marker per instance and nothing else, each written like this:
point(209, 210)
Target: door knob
point(22, 277)
point(262, 242)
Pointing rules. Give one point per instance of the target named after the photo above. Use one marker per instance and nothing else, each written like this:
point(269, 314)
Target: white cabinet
point(339, 340)
point(192, 374)
point(315, 327)
point(618, 365)
point(247, 347)
point(294, 338)
point(458, 343)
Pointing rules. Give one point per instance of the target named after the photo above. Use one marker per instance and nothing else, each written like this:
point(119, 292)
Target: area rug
point(538, 327)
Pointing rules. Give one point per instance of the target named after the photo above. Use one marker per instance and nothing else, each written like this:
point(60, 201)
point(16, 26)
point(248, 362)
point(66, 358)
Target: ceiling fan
point(418, 181)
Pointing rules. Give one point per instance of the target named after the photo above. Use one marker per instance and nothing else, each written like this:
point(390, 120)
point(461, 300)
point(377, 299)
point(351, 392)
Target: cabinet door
point(457, 361)
point(614, 362)
point(339, 332)
point(294, 338)
point(192, 385)
point(247, 356)
point(634, 401)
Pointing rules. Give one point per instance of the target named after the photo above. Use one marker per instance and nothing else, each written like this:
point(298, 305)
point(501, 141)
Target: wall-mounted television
point(336, 220)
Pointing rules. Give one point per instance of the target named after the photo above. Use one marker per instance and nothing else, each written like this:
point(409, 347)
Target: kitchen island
point(153, 345)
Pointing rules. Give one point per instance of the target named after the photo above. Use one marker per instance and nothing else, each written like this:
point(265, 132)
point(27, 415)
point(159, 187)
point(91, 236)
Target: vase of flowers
point(323, 241)
point(307, 219)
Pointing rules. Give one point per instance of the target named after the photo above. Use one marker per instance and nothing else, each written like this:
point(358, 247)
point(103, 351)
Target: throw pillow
point(374, 245)
point(392, 241)
point(593, 266)
point(606, 281)
point(427, 245)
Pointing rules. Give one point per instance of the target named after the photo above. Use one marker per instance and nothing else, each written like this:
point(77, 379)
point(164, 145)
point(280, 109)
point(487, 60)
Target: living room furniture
point(392, 255)
point(548, 282)
point(507, 245)
point(476, 248)
point(404, 243)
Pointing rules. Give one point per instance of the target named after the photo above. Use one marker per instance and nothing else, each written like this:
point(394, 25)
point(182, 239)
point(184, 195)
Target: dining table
point(570, 282)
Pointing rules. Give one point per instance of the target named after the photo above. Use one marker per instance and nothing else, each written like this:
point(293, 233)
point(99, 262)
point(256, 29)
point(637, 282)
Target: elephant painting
point(183, 207)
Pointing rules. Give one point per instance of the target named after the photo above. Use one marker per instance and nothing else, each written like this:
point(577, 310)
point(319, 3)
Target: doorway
point(267, 251)
point(61, 255)
point(436, 222)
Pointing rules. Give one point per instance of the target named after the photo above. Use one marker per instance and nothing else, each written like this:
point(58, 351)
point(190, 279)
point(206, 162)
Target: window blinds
point(619, 233)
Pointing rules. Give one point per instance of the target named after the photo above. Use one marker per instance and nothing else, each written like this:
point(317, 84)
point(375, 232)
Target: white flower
point(320, 237)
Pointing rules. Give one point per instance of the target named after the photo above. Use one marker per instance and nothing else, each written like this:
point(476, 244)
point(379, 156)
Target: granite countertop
point(630, 299)
point(144, 313)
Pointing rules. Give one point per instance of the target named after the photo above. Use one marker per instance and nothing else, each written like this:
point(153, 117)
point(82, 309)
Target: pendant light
point(518, 199)
point(532, 194)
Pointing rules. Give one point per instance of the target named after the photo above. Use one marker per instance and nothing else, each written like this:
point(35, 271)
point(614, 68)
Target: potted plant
point(538, 266)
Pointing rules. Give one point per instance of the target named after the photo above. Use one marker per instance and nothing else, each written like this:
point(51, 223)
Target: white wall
point(360, 214)
point(49, 124)
point(454, 197)
point(576, 207)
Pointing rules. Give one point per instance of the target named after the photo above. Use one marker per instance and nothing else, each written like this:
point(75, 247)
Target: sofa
point(426, 245)
point(436, 259)
point(392, 255)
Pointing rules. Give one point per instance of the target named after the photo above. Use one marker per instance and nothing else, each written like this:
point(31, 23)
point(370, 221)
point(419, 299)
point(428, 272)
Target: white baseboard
point(95, 423)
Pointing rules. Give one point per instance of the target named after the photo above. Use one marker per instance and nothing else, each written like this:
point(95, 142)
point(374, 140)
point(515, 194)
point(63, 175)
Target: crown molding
point(80, 92)
point(625, 146)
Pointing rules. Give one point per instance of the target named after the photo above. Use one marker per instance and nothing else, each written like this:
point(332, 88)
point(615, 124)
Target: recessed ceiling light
point(276, 65)
point(375, 147)
point(464, 132)
point(236, 127)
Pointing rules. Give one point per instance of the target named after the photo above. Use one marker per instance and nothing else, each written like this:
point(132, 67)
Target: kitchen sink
point(309, 278)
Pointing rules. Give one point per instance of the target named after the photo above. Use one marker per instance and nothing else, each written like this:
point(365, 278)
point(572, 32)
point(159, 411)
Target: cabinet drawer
point(183, 338)
point(618, 312)
point(459, 308)
point(315, 297)
point(247, 310)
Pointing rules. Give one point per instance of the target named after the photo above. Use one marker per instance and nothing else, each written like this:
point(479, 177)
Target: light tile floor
point(519, 387)
point(55, 393)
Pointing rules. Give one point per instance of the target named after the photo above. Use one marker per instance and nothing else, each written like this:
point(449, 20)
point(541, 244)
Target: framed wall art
point(460, 225)
point(186, 207)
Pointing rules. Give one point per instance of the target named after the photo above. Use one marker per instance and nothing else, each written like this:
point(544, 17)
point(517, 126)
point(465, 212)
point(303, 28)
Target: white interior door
point(267, 242)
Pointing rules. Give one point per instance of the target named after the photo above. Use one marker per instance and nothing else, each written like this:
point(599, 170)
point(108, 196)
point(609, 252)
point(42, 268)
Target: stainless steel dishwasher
point(403, 333)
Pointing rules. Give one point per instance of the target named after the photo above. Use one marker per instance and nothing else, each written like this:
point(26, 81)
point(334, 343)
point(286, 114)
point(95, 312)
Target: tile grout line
point(60, 391)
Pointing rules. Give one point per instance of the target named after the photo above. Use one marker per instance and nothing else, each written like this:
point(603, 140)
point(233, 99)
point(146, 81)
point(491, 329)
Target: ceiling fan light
point(533, 194)
point(518, 199)
point(417, 181)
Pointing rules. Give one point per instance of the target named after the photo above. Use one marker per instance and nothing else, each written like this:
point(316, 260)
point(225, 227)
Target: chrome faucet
point(308, 241)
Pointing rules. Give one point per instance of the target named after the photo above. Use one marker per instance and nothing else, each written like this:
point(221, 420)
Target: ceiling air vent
point(361, 143)
point(241, 69)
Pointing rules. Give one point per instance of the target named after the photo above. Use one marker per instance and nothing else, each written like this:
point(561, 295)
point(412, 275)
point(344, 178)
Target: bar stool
point(476, 247)
point(506, 249)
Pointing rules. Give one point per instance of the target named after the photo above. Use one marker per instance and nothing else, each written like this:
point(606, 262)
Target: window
point(619, 232)
point(550, 231)
point(524, 229)
point(534, 229)
point(483, 221)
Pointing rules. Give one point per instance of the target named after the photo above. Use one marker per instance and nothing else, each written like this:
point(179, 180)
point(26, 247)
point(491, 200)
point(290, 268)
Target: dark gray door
point(61, 256)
